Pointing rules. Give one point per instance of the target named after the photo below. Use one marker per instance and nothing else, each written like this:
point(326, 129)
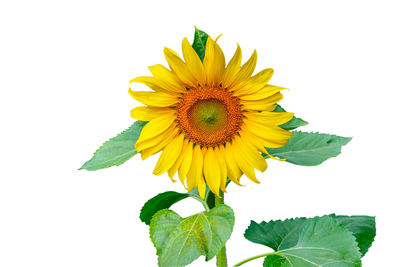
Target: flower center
point(209, 116)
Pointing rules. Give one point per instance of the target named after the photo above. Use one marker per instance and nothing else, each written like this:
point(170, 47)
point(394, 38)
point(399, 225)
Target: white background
point(65, 67)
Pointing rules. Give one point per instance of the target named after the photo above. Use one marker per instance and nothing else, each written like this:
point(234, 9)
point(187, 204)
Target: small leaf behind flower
point(117, 150)
point(159, 202)
point(309, 149)
point(179, 241)
point(293, 123)
point(199, 42)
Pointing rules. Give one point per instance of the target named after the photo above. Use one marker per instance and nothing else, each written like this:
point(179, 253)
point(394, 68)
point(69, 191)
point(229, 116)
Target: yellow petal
point(177, 164)
point(233, 170)
point(179, 67)
point(150, 113)
point(187, 154)
point(193, 61)
point(253, 84)
point(246, 70)
point(153, 84)
point(263, 104)
point(154, 141)
point(154, 99)
point(212, 171)
point(253, 140)
point(222, 166)
point(233, 68)
point(266, 140)
point(214, 63)
point(246, 167)
point(158, 143)
point(167, 79)
point(251, 154)
point(202, 188)
point(269, 130)
point(169, 155)
point(274, 118)
point(195, 174)
point(174, 168)
point(155, 127)
point(264, 93)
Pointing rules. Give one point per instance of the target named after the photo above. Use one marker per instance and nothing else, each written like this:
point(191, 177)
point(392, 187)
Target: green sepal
point(117, 150)
point(303, 242)
point(309, 149)
point(199, 42)
point(179, 241)
point(159, 202)
point(293, 123)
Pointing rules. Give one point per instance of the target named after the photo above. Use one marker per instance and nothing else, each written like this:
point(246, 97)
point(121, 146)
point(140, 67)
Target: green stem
point(221, 256)
point(253, 258)
point(203, 202)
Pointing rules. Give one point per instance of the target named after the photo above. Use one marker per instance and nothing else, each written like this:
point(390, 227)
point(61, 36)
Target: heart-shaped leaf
point(179, 241)
point(322, 242)
point(279, 234)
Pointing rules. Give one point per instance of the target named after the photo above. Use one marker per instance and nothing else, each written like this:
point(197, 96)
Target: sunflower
point(209, 119)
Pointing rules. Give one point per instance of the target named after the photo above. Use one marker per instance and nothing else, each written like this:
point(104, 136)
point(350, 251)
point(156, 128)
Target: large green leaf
point(159, 202)
point(179, 241)
point(322, 241)
point(362, 227)
point(293, 123)
point(309, 149)
point(273, 233)
point(117, 150)
point(199, 42)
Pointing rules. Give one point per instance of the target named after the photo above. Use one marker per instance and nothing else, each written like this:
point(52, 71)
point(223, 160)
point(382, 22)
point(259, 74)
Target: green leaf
point(159, 202)
point(117, 150)
point(199, 42)
point(274, 260)
point(309, 149)
point(322, 241)
point(362, 227)
point(293, 123)
point(273, 233)
point(179, 241)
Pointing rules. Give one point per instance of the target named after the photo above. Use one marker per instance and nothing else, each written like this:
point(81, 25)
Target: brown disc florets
point(209, 116)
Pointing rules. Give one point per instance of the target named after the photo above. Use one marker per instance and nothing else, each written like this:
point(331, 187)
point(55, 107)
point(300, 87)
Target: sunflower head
point(209, 119)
